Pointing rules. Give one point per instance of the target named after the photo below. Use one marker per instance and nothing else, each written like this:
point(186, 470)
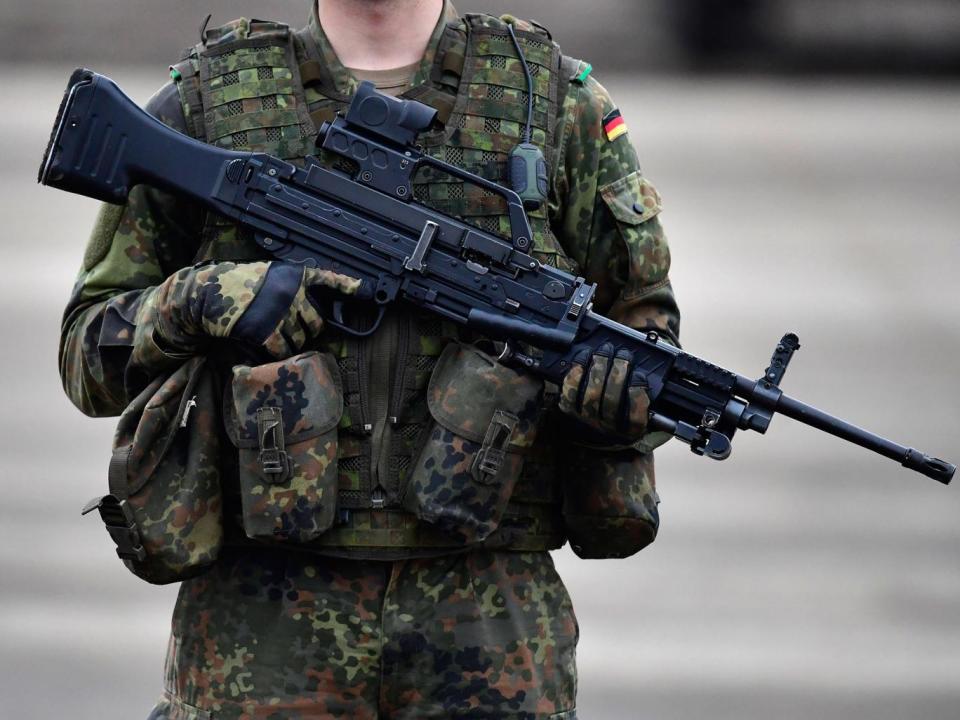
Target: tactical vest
point(257, 86)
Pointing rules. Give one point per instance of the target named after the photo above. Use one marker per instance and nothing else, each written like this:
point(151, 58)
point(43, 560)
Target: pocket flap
point(149, 425)
point(306, 389)
point(632, 199)
point(468, 387)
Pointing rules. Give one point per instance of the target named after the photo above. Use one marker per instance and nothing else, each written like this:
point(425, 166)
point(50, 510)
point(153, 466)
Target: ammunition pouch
point(283, 419)
point(484, 415)
point(164, 507)
point(609, 501)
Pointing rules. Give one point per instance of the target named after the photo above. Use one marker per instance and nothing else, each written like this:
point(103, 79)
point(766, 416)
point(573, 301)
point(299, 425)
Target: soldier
point(426, 589)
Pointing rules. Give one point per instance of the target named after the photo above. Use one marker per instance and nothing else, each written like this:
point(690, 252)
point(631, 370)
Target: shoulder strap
point(440, 92)
point(186, 75)
point(244, 30)
point(529, 29)
point(314, 71)
point(451, 57)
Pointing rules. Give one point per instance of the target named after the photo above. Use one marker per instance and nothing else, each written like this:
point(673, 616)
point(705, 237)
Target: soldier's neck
point(379, 34)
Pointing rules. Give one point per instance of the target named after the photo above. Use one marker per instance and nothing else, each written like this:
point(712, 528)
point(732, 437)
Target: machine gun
point(367, 225)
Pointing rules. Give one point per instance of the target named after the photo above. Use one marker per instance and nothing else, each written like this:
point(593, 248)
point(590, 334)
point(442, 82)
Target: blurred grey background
point(635, 36)
point(808, 153)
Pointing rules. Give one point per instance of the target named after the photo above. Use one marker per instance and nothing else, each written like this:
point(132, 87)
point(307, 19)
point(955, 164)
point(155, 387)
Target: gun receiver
point(368, 226)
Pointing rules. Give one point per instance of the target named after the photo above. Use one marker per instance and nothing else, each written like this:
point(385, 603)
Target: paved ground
point(801, 578)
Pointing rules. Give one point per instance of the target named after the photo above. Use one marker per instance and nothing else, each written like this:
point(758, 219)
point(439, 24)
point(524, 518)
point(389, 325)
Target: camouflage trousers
point(271, 635)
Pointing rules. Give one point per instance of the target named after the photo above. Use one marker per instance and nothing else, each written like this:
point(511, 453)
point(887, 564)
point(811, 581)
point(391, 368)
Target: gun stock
point(103, 144)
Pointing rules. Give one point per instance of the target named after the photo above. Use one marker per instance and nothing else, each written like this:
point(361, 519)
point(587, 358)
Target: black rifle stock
point(369, 227)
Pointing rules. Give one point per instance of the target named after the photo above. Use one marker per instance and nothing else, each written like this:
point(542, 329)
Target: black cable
point(527, 165)
point(528, 132)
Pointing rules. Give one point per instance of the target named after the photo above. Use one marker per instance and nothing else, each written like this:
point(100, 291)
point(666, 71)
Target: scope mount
point(379, 134)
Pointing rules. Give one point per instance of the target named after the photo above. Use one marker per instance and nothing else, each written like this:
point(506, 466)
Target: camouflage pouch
point(283, 419)
point(609, 501)
point(484, 416)
point(164, 506)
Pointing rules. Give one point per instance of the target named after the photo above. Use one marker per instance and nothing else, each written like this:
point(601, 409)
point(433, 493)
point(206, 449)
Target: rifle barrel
point(939, 470)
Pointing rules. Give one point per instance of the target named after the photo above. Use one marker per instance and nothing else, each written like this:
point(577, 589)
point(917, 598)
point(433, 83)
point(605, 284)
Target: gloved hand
point(261, 304)
point(602, 391)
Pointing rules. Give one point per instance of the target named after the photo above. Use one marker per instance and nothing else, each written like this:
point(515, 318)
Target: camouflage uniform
point(376, 613)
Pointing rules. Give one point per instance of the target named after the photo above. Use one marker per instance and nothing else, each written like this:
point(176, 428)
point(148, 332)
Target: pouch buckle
point(488, 461)
point(274, 461)
point(120, 521)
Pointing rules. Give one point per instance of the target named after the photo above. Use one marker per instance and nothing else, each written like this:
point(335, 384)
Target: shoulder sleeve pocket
point(632, 199)
point(635, 206)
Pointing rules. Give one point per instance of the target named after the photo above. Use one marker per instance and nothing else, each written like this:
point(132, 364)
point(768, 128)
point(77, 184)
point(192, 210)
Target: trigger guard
point(337, 321)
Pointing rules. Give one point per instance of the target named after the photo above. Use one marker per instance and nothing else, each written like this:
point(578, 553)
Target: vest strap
point(453, 61)
point(440, 101)
point(312, 72)
point(315, 67)
point(322, 115)
point(186, 75)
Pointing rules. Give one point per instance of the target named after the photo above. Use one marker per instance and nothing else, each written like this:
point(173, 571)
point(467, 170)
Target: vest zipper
point(363, 369)
point(382, 349)
point(399, 375)
point(397, 392)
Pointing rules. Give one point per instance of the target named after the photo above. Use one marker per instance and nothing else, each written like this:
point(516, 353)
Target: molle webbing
point(246, 85)
point(488, 120)
point(251, 91)
point(535, 528)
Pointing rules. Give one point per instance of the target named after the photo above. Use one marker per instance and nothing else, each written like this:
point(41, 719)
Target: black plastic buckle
point(118, 516)
point(274, 461)
point(490, 460)
point(493, 451)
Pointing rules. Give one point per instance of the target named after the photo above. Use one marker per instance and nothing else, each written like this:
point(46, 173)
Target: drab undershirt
point(391, 82)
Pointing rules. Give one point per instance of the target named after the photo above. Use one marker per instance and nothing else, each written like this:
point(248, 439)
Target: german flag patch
point(614, 125)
